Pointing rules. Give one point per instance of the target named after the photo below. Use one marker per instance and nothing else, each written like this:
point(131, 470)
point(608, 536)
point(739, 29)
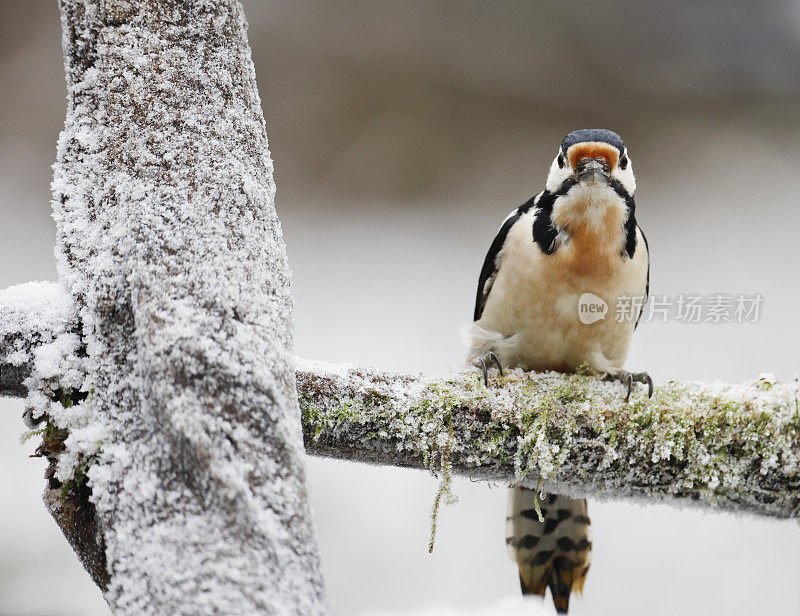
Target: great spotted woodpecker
point(579, 236)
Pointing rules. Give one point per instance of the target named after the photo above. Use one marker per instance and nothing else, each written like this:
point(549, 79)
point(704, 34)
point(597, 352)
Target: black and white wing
point(647, 283)
point(492, 261)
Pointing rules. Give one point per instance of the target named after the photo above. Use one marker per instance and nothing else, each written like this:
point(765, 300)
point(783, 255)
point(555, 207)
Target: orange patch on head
point(593, 149)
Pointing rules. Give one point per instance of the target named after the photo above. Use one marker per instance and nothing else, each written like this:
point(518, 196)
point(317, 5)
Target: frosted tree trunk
point(169, 244)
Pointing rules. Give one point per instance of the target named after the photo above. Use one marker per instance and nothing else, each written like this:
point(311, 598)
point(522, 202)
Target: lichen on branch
point(729, 447)
point(41, 347)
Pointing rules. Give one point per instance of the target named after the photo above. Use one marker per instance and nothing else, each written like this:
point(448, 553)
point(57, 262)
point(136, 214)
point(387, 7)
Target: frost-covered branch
point(729, 447)
point(31, 315)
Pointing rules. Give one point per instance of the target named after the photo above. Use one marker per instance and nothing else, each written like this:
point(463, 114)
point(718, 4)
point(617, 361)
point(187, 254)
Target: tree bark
point(169, 243)
point(31, 315)
point(719, 446)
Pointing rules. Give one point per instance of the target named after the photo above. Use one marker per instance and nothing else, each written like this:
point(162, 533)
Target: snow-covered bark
point(32, 315)
point(720, 446)
point(169, 243)
point(42, 357)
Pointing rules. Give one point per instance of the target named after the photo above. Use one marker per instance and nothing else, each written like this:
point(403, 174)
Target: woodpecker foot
point(629, 378)
point(480, 362)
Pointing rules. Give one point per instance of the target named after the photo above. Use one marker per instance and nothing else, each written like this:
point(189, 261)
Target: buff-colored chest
point(537, 297)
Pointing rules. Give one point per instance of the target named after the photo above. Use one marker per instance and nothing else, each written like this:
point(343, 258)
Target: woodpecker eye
point(623, 163)
point(560, 161)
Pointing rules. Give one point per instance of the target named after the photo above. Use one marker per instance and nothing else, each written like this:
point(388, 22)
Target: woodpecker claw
point(480, 362)
point(493, 356)
point(629, 378)
point(647, 380)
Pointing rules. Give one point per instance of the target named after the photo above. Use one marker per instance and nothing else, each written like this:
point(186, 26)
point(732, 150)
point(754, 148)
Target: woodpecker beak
point(593, 171)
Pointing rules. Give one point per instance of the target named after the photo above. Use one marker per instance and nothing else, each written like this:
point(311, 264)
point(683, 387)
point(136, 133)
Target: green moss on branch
point(732, 447)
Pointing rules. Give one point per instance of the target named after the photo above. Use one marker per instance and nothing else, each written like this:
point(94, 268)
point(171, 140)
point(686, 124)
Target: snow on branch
point(728, 447)
point(32, 315)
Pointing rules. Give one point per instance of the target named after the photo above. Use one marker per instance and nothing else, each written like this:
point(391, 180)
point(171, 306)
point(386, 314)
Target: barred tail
point(555, 553)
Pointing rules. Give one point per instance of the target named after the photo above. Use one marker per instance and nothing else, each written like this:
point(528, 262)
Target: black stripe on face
point(630, 223)
point(565, 187)
point(544, 231)
point(620, 190)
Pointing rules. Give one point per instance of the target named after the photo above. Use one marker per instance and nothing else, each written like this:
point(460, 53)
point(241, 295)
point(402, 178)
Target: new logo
point(591, 308)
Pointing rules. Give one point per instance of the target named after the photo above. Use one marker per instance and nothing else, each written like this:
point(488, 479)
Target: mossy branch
point(730, 447)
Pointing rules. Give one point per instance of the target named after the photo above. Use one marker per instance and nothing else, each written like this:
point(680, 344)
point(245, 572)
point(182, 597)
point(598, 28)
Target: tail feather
point(552, 554)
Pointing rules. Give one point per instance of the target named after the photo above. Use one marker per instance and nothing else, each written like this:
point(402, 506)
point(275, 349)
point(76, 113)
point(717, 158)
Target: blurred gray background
point(403, 133)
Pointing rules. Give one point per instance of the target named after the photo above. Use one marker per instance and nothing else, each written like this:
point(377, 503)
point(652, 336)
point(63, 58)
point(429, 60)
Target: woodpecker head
point(592, 158)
